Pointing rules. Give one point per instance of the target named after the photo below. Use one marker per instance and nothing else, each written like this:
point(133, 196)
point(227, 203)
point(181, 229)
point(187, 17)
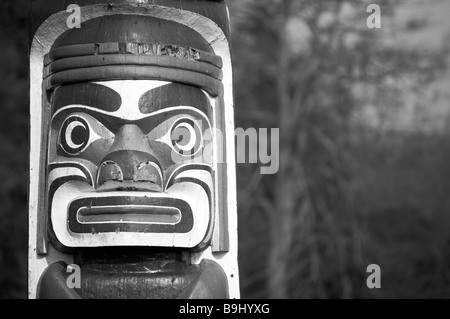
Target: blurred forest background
point(364, 152)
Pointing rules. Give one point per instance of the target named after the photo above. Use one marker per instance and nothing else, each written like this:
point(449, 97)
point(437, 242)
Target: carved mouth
point(83, 217)
point(129, 214)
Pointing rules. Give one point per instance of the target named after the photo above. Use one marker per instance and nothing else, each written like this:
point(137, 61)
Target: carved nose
point(130, 163)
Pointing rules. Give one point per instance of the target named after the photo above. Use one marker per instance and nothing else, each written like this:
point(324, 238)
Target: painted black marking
point(184, 226)
point(89, 94)
point(78, 136)
point(171, 95)
point(187, 167)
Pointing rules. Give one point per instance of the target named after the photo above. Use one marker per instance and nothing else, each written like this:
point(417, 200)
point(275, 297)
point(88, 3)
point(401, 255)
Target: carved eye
point(74, 135)
point(186, 137)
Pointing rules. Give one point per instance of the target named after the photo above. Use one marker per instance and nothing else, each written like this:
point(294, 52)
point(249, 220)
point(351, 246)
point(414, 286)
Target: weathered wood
point(120, 108)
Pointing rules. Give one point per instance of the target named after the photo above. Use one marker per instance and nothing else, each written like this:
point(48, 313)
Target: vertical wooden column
point(104, 188)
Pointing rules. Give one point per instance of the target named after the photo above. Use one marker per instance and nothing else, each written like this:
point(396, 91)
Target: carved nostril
point(109, 171)
point(148, 172)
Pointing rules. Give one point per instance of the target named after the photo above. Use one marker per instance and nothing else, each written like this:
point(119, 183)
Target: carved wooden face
point(130, 164)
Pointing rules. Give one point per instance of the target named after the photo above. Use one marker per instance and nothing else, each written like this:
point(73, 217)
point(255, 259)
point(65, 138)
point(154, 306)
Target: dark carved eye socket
point(186, 137)
point(74, 135)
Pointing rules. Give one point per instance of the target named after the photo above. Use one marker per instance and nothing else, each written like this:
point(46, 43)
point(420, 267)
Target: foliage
point(320, 215)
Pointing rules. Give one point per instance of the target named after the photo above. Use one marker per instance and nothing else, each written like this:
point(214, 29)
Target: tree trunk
point(282, 217)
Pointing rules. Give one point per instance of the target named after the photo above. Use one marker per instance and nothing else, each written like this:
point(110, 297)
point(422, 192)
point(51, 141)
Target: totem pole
point(132, 175)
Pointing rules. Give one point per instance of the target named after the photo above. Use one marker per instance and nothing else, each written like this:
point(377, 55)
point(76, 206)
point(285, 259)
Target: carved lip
point(136, 186)
point(129, 214)
point(141, 214)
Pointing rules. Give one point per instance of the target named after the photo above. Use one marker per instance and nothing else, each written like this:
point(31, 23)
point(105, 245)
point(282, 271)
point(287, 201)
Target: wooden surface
point(205, 27)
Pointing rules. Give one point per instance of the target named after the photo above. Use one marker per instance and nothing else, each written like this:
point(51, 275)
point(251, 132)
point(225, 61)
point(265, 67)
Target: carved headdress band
point(102, 60)
point(134, 61)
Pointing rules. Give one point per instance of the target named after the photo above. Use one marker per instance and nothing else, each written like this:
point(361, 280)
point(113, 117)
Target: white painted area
point(46, 35)
point(130, 93)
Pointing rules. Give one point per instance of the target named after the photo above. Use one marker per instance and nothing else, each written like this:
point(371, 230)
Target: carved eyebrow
point(173, 94)
point(89, 94)
point(113, 123)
